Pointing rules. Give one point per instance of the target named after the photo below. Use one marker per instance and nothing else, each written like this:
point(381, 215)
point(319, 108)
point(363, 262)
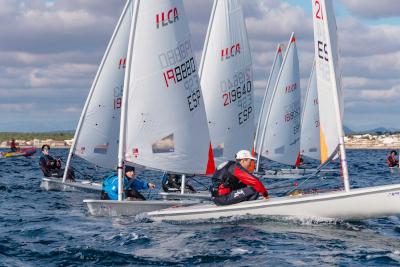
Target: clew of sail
point(227, 81)
point(276, 66)
point(165, 120)
point(310, 133)
point(96, 138)
point(281, 138)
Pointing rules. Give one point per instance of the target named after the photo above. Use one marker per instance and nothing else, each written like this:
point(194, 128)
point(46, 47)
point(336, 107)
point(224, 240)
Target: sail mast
point(338, 121)
point(121, 145)
point(86, 106)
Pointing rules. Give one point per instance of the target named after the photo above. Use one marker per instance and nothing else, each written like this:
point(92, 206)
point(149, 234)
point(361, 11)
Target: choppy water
point(39, 228)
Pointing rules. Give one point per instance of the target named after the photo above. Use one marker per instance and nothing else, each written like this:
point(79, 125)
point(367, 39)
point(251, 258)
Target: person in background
point(51, 167)
point(132, 185)
point(173, 182)
point(391, 159)
point(13, 146)
point(234, 183)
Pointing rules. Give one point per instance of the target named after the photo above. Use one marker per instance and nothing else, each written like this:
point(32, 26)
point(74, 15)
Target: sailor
point(391, 159)
point(132, 185)
point(51, 167)
point(13, 146)
point(173, 182)
point(234, 183)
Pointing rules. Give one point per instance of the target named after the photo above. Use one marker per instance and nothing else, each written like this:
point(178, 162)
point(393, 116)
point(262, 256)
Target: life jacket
point(391, 162)
point(223, 180)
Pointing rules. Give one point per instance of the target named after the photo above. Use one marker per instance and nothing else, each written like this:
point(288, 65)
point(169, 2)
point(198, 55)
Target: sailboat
point(278, 137)
point(310, 128)
point(226, 78)
point(163, 122)
point(96, 136)
point(262, 119)
point(97, 133)
point(346, 204)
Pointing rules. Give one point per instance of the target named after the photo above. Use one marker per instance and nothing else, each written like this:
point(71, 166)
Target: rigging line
point(318, 170)
point(205, 187)
point(83, 174)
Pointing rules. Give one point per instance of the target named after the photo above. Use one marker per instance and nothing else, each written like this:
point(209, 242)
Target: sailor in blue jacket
point(132, 185)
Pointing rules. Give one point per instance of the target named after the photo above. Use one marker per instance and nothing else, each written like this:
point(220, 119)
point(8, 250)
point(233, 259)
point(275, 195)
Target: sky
point(50, 52)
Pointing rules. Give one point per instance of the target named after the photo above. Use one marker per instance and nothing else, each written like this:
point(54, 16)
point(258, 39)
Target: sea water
point(40, 228)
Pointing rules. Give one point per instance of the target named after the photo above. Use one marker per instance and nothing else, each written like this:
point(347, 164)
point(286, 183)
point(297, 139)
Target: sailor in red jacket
point(391, 159)
point(233, 183)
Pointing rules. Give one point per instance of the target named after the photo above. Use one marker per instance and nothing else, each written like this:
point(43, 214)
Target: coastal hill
point(378, 138)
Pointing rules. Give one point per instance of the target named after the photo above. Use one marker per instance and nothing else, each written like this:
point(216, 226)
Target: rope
point(205, 187)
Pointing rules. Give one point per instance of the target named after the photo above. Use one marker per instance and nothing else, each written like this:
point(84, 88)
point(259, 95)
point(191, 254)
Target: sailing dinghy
point(278, 138)
point(226, 78)
point(347, 204)
point(163, 121)
point(309, 135)
point(96, 136)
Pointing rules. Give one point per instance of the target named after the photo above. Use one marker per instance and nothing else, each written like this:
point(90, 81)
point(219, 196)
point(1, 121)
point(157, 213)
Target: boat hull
point(203, 195)
point(372, 202)
point(295, 173)
point(24, 152)
point(56, 184)
point(128, 208)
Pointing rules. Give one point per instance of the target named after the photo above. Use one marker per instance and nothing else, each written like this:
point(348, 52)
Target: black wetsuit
point(52, 168)
point(173, 182)
point(233, 184)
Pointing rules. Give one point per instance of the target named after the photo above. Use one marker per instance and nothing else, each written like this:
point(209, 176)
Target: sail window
point(101, 149)
point(165, 145)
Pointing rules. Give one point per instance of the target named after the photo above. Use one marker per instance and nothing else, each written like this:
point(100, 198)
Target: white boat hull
point(129, 208)
point(372, 202)
point(56, 184)
point(295, 173)
point(203, 195)
point(394, 170)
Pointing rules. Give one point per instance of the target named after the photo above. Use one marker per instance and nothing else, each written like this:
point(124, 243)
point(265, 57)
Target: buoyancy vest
point(223, 181)
point(391, 162)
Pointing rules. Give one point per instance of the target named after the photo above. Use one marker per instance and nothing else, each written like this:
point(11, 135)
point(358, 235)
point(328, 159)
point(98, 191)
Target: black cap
point(393, 151)
point(48, 147)
point(129, 168)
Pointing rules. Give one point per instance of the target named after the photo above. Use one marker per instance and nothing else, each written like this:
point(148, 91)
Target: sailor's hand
point(151, 185)
point(265, 195)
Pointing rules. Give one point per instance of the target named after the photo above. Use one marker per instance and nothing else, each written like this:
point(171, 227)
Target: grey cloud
point(49, 57)
point(373, 9)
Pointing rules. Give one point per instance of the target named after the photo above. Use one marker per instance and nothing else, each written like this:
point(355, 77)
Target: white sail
point(227, 81)
point(281, 138)
point(97, 135)
point(328, 74)
point(276, 66)
point(309, 140)
point(329, 83)
point(165, 119)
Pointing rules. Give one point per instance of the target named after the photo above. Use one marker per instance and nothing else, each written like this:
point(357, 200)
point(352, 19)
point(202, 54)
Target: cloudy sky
point(50, 51)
